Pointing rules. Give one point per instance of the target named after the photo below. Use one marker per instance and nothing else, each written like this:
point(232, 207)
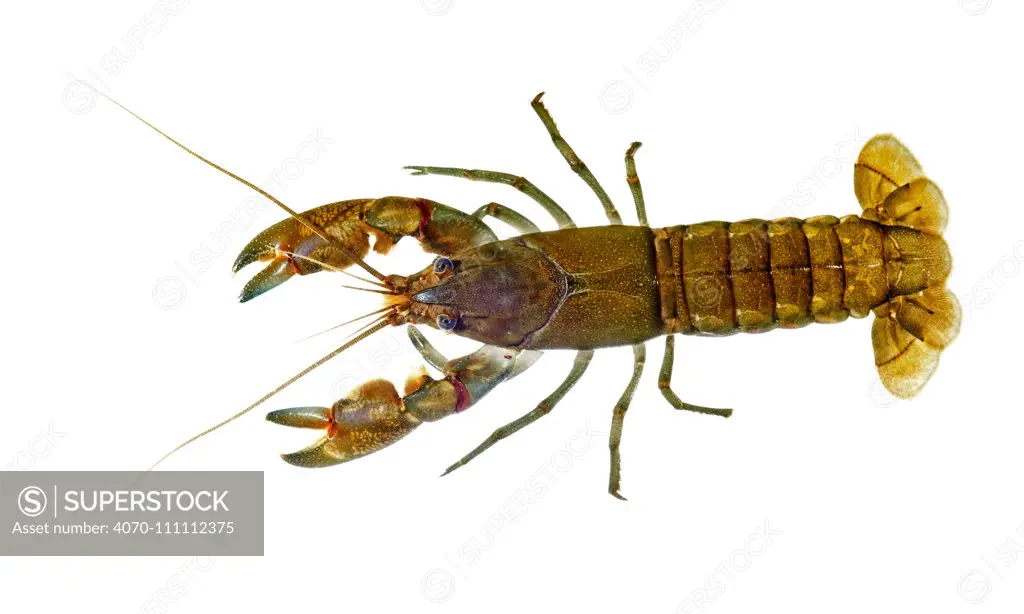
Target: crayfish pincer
point(583, 289)
point(374, 416)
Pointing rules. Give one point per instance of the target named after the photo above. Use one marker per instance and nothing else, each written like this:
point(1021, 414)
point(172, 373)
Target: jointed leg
point(574, 161)
point(634, 184)
point(291, 249)
point(520, 183)
point(619, 414)
point(639, 352)
point(469, 378)
point(544, 407)
point(665, 381)
point(373, 415)
point(511, 217)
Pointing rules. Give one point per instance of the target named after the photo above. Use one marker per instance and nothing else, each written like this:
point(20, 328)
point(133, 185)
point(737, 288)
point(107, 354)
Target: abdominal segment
point(757, 275)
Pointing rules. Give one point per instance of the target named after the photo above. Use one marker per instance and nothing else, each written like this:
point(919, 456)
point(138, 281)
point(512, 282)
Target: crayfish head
point(369, 419)
point(498, 293)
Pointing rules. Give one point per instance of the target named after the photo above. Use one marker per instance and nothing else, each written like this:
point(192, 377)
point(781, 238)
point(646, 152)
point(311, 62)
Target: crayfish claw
point(292, 248)
point(369, 419)
point(321, 454)
point(303, 417)
point(275, 274)
point(254, 251)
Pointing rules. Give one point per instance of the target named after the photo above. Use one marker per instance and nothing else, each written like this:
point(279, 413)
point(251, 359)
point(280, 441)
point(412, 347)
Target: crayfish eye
point(442, 264)
point(446, 322)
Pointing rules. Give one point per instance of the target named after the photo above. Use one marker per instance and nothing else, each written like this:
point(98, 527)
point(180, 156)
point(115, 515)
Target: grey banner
point(131, 513)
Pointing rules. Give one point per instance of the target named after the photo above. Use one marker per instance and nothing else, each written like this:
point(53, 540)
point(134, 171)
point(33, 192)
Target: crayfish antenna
point(380, 324)
point(302, 219)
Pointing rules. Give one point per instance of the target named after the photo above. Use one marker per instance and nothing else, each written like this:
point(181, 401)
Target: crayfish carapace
point(583, 289)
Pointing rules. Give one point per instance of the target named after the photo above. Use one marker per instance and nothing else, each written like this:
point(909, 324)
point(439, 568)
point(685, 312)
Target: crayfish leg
point(665, 384)
point(619, 416)
point(579, 366)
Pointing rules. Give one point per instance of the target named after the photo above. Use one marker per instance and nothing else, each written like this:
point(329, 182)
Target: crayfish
point(583, 289)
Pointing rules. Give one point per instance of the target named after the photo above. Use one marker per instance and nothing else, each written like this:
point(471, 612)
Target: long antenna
point(366, 333)
point(382, 323)
point(298, 216)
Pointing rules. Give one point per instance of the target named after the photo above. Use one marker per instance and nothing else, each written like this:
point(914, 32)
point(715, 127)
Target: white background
point(754, 109)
